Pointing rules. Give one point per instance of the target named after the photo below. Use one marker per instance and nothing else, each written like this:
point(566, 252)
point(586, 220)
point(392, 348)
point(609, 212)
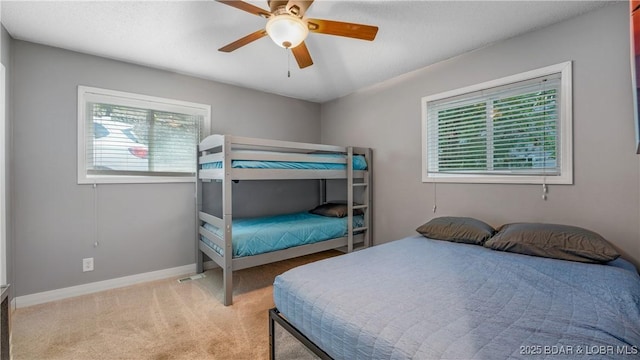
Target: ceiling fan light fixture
point(286, 30)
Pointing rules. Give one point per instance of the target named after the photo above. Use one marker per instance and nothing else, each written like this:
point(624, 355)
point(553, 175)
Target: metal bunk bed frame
point(223, 148)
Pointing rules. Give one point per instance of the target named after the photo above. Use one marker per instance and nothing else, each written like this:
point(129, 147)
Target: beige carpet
point(161, 320)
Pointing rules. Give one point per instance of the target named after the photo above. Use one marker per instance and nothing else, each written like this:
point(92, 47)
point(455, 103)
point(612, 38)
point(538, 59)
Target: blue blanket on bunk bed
point(266, 234)
point(427, 299)
point(359, 163)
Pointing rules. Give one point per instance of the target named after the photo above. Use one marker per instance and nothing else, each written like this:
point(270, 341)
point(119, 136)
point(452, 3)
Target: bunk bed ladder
point(365, 206)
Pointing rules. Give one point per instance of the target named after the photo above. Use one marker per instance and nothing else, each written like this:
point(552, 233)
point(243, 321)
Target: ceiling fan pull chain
point(288, 62)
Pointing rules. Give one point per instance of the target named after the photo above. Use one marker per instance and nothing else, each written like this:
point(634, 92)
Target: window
point(512, 130)
point(130, 138)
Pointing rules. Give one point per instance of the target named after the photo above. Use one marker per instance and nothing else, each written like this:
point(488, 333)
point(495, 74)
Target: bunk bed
point(228, 240)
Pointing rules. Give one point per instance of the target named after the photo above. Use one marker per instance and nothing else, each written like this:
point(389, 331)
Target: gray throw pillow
point(553, 241)
point(334, 210)
point(457, 229)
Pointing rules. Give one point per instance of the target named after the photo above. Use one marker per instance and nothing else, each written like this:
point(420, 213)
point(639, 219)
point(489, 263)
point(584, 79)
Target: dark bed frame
point(276, 317)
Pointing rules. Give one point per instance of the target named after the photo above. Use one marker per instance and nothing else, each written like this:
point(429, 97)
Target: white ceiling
point(183, 36)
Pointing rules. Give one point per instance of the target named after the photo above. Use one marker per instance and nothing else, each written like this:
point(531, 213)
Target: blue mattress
point(359, 163)
point(418, 298)
point(262, 235)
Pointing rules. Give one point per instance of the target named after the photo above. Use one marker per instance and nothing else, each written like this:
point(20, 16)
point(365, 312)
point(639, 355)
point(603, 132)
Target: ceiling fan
point(288, 27)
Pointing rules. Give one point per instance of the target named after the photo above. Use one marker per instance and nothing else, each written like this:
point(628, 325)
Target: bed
point(419, 298)
point(255, 236)
point(234, 243)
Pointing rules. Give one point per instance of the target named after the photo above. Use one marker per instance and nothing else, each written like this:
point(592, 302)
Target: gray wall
point(140, 227)
point(605, 195)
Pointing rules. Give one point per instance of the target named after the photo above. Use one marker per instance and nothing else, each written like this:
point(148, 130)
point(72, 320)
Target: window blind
point(134, 138)
point(125, 140)
point(511, 129)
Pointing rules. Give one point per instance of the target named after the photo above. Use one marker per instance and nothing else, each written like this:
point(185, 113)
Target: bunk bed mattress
point(427, 299)
point(266, 234)
point(359, 163)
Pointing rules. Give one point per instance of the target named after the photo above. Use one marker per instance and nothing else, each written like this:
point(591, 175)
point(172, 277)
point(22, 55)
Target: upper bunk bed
point(243, 158)
point(231, 242)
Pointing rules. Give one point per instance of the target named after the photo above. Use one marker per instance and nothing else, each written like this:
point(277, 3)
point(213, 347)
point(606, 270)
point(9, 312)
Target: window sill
point(497, 179)
point(134, 180)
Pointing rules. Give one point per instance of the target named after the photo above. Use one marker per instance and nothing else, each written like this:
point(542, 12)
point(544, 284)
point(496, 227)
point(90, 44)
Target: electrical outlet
point(87, 264)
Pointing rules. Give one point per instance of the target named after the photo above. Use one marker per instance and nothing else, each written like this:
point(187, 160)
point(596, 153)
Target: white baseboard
point(64, 293)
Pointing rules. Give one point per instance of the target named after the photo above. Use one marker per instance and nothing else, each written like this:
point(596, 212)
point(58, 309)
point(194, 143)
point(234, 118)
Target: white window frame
point(93, 94)
point(3, 179)
point(565, 128)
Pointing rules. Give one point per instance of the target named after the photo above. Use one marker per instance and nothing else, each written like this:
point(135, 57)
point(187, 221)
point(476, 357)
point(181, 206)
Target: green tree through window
point(462, 140)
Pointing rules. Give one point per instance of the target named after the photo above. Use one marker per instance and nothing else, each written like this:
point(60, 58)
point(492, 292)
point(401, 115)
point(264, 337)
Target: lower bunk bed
point(263, 235)
point(263, 240)
point(420, 298)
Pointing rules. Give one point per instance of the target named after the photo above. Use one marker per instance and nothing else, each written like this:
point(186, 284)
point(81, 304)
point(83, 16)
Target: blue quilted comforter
point(418, 298)
point(261, 235)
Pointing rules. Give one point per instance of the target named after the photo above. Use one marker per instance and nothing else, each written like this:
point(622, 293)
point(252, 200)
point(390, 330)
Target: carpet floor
point(159, 320)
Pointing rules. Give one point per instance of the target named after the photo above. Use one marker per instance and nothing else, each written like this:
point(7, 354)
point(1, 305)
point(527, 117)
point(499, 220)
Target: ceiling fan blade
point(246, 7)
point(298, 7)
point(330, 27)
point(244, 41)
point(301, 53)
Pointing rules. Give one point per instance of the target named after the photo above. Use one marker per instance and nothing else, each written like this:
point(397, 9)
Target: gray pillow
point(553, 241)
point(457, 229)
point(334, 210)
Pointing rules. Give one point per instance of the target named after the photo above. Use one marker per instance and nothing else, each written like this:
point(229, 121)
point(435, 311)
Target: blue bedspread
point(418, 298)
point(359, 163)
point(261, 235)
